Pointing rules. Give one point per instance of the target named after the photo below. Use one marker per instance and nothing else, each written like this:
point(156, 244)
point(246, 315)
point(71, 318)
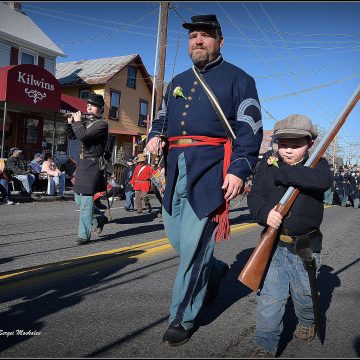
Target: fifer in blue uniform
point(195, 177)
point(89, 178)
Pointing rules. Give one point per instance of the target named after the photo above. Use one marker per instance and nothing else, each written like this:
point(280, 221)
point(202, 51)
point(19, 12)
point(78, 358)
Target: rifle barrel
point(326, 140)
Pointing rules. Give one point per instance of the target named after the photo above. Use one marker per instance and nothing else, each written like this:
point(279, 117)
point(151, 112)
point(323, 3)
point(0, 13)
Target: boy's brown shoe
point(305, 333)
point(258, 352)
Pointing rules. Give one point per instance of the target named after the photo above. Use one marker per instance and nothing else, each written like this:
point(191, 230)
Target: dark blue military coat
point(237, 95)
point(93, 134)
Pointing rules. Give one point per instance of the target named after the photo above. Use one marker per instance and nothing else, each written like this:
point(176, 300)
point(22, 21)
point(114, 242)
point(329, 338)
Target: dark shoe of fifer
point(82, 241)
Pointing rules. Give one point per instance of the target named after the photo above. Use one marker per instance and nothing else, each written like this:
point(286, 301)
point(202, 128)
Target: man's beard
point(204, 58)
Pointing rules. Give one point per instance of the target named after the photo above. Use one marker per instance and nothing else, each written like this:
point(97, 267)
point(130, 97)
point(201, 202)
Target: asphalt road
point(110, 298)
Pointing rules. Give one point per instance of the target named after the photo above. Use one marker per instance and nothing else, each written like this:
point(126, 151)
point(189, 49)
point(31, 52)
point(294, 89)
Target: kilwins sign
point(30, 85)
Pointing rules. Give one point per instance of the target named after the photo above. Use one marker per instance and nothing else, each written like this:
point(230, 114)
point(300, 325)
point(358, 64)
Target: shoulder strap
point(140, 171)
point(229, 131)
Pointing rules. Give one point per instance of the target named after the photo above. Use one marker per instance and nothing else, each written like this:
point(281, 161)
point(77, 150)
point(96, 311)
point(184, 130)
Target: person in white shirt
point(57, 178)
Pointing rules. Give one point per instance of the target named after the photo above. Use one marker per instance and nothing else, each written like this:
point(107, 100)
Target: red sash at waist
point(221, 216)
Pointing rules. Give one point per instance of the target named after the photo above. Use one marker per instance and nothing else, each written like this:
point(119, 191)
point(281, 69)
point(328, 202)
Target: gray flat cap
point(295, 126)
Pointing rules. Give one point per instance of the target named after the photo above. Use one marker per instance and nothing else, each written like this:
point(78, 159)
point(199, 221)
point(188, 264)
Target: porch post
point(3, 132)
point(53, 139)
point(134, 142)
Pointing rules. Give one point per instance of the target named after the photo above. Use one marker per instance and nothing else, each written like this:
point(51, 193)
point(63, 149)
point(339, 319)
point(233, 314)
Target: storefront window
point(60, 136)
point(31, 131)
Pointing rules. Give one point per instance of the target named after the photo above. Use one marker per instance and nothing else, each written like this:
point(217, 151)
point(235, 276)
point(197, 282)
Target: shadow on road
point(356, 343)
point(51, 288)
point(327, 282)
point(131, 232)
point(231, 290)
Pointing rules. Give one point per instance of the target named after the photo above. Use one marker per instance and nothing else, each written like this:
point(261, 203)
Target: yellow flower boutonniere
point(273, 160)
point(178, 93)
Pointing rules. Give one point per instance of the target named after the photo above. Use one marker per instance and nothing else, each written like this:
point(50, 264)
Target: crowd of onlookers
point(138, 179)
point(40, 173)
point(345, 189)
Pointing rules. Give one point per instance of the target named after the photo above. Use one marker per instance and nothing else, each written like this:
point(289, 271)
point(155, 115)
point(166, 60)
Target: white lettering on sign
point(30, 80)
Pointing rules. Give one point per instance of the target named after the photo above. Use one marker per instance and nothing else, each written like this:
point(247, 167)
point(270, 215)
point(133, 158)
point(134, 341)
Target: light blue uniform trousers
point(193, 240)
point(89, 215)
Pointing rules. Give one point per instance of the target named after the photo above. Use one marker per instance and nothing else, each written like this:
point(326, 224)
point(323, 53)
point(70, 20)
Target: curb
point(40, 198)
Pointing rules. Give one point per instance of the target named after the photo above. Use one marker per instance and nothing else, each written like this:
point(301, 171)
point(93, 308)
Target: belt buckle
point(286, 238)
point(184, 141)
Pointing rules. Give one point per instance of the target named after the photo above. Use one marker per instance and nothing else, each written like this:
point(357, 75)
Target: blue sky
point(304, 56)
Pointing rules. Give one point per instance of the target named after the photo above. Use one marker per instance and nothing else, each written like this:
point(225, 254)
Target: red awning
point(73, 104)
point(29, 85)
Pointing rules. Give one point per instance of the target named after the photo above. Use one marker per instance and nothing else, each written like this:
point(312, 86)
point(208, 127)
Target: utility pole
point(162, 55)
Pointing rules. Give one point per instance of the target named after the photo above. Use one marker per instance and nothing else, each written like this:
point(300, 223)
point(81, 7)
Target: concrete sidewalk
point(39, 196)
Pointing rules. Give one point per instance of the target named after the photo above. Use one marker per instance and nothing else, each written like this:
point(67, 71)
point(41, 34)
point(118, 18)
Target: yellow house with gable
point(127, 90)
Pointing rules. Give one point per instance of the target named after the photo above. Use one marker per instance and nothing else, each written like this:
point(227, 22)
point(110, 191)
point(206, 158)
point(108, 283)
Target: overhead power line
point(269, 30)
point(278, 97)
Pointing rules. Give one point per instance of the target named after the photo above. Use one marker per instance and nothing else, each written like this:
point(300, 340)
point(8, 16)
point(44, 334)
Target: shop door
point(30, 135)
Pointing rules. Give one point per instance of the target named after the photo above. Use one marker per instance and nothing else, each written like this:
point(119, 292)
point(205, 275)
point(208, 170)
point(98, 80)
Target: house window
point(114, 104)
point(27, 57)
point(143, 112)
point(131, 80)
point(84, 94)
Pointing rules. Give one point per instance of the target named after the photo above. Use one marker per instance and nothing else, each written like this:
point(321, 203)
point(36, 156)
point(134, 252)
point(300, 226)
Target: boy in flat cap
point(205, 168)
point(90, 177)
point(286, 273)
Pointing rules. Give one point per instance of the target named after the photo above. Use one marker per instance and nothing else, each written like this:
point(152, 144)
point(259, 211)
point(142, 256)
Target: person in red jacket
point(141, 183)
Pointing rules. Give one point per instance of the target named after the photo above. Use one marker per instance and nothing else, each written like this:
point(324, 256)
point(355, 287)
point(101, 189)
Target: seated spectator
point(16, 167)
point(35, 164)
point(4, 186)
point(56, 177)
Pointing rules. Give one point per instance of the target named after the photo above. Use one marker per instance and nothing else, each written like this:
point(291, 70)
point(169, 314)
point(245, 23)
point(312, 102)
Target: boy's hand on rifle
point(274, 219)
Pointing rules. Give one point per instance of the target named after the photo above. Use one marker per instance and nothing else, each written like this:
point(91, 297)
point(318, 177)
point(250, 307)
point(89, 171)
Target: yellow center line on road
point(147, 248)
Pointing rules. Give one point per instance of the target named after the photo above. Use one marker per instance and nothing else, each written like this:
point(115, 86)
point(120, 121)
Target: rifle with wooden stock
point(253, 271)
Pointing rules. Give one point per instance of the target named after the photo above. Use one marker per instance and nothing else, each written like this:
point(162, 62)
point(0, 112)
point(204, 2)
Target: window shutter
point(14, 56)
point(41, 62)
